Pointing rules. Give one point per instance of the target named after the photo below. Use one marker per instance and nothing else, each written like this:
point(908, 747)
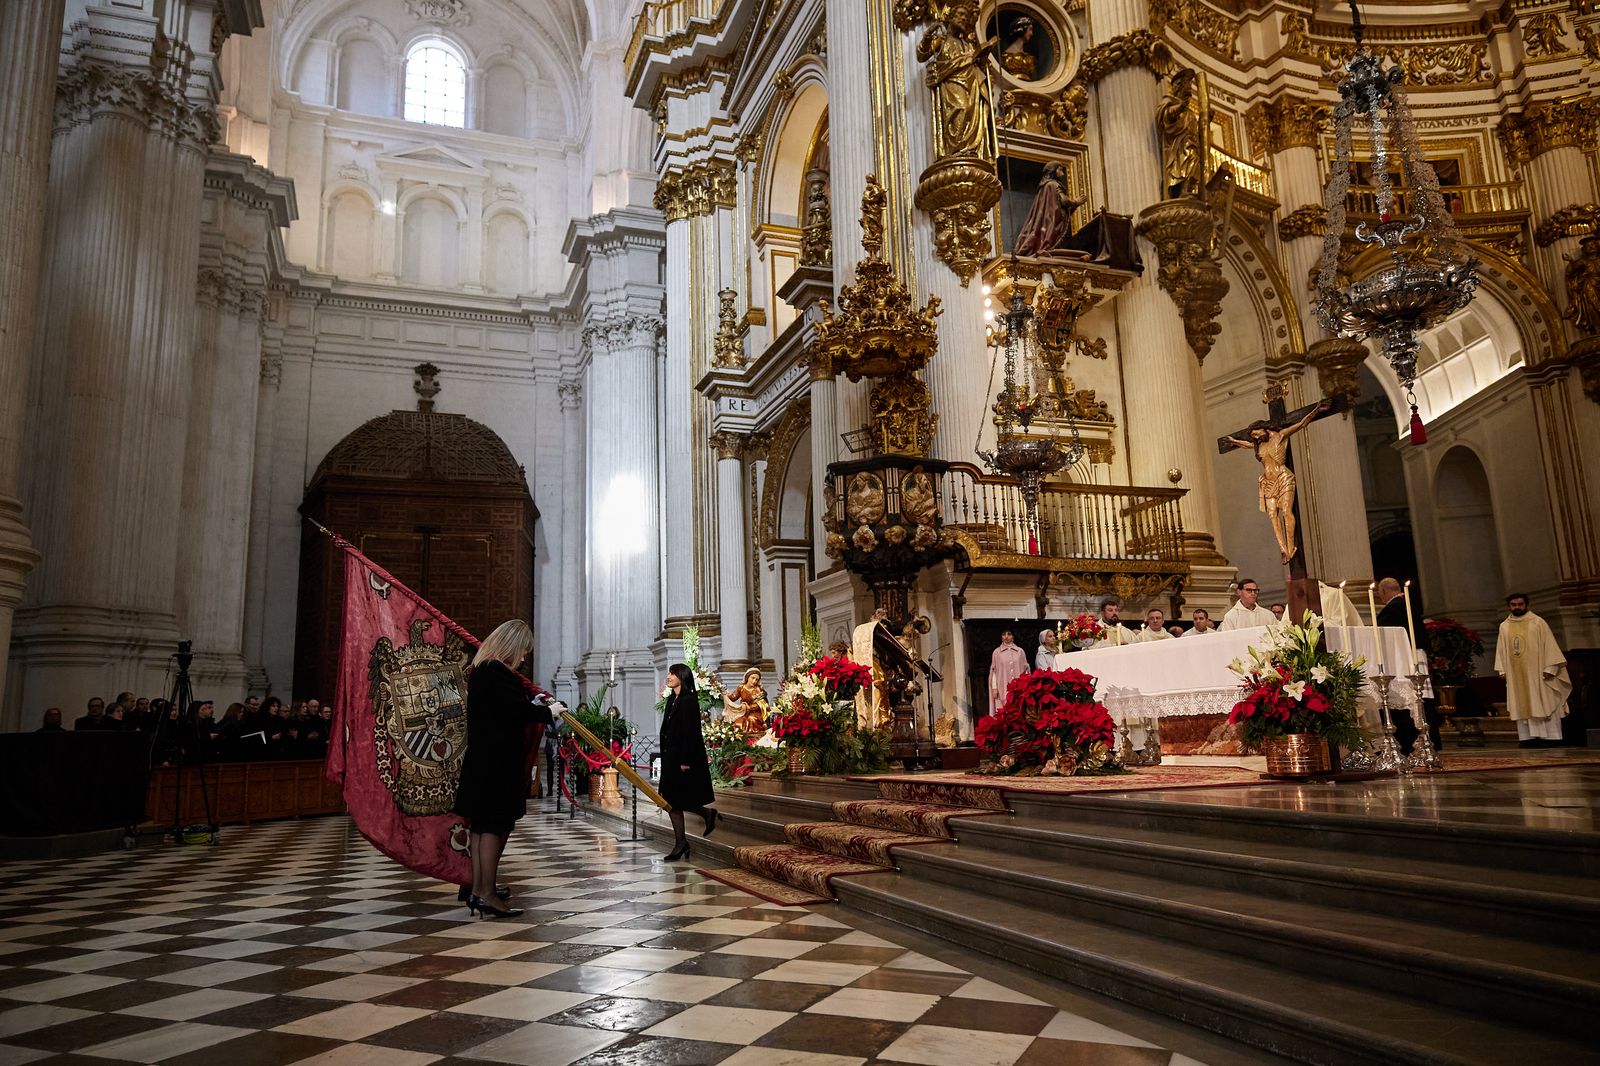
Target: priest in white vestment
point(1112, 634)
point(1535, 670)
point(1247, 613)
point(1155, 627)
point(1202, 623)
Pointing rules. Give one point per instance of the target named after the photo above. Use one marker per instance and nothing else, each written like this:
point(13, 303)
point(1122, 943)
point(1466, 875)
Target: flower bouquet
point(1296, 696)
point(1050, 725)
point(803, 729)
point(1083, 630)
point(814, 717)
point(728, 747)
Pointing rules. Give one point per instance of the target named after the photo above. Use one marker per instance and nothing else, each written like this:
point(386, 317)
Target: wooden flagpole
point(621, 766)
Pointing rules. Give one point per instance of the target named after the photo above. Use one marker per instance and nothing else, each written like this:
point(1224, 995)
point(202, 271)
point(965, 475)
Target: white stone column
point(677, 445)
point(245, 208)
point(29, 43)
point(258, 681)
point(113, 361)
point(732, 564)
point(825, 448)
point(1162, 387)
point(573, 609)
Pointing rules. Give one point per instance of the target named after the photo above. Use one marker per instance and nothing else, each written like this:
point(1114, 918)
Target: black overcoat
point(493, 787)
point(683, 745)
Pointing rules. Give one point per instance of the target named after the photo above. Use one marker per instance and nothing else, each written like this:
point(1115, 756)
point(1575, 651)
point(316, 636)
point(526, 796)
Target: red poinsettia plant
point(841, 678)
point(1050, 724)
point(1084, 628)
point(1454, 647)
point(800, 726)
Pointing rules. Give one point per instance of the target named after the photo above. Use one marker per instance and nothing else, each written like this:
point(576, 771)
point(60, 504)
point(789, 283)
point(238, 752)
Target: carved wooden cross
point(1280, 418)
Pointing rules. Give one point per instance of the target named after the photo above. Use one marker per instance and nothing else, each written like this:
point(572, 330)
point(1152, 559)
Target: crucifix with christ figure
point(1269, 439)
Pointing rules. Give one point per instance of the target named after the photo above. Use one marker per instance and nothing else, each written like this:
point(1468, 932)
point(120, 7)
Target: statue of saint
point(1271, 445)
point(1049, 221)
point(963, 113)
point(1015, 58)
point(1583, 285)
point(748, 704)
point(919, 502)
point(1178, 123)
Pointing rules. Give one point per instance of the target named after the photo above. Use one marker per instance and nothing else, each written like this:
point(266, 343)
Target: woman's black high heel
point(711, 821)
point(502, 891)
point(481, 907)
point(679, 852)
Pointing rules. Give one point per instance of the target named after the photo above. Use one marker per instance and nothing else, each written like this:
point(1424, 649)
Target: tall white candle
point(613, 675)
point(1372, 607)
point(1411, 623)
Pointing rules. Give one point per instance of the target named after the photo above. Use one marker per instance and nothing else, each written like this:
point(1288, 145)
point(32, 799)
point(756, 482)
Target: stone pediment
point(433, 161)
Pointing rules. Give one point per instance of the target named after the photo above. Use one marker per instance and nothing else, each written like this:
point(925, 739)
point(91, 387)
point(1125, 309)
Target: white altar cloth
point(1166, 678)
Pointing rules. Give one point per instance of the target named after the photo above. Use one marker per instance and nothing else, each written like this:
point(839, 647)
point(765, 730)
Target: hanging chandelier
point(1020, 452)
point(1430, 276)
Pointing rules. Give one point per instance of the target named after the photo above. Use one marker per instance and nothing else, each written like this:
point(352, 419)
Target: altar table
point(1190, 676)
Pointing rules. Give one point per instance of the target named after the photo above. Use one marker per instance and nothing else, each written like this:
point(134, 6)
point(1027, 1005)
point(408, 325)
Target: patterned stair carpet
point(765, 887)
point(861, 843)
point(799, 867)
point(918, 819)
point(975, 790)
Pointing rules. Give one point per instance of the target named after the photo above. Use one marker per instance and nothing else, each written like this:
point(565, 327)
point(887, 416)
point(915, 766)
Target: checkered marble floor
point(300, 943)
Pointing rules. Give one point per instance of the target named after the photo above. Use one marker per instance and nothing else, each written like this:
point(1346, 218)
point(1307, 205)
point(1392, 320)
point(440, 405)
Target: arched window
point(436, 84)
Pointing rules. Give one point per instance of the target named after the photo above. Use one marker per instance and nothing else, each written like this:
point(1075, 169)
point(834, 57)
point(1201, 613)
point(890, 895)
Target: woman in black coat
point(493, 788)
point(685, 769)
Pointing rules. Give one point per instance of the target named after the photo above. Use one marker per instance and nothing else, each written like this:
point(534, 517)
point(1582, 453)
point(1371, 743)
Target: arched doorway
point(437, 500)
point(1464, 512)
point(787, 564)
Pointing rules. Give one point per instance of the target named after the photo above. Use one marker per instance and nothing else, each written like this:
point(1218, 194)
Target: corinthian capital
point(1286, 122)
point(1546, 126)
point(727, 444)
point(152, 97)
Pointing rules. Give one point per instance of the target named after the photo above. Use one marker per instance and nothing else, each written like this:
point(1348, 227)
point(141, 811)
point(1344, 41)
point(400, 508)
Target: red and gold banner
point(400, 720)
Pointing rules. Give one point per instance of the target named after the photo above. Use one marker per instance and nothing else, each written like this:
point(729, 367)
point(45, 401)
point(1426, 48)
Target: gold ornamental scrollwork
point(697, 189)
point(1338, 360)
point(1140, 48)
point(1199, 23)
point(1184, 233)
point(880, 333)
point(1543, 127)
point(816, 232)
point(878, 330)
point(1462, 62)
point(1308, 221)
point(728, 346)
point(1286, 122)
point(1576, 221)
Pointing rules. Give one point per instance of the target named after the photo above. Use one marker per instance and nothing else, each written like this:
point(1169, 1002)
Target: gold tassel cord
point(583, 733)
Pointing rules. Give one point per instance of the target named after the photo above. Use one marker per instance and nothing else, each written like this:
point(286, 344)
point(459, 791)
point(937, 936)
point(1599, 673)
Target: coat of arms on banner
point(419, 718)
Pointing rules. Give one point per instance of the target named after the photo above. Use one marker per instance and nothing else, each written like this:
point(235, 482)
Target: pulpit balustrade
point(1076, 522)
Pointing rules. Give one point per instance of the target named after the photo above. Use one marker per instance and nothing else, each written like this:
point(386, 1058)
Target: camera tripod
point(182, 698)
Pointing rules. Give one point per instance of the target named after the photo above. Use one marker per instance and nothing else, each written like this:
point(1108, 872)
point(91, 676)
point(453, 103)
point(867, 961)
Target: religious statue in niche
point(963, 113)
point(748, 704)
point(1049, 221)
point(1271, 445)
point(1583, 285)
point(1017, 58)
point(1178, 123)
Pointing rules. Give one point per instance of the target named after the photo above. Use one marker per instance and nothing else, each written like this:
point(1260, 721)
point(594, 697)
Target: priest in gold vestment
point(1535, 670)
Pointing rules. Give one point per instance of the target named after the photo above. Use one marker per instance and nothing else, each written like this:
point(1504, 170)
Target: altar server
point(1535, 670)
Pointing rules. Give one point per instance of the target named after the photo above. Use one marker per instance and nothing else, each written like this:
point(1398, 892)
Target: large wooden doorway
point(437, 500)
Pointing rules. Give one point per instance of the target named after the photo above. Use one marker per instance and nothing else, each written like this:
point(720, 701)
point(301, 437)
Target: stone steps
point(1282, 1008)
point(1327, 938)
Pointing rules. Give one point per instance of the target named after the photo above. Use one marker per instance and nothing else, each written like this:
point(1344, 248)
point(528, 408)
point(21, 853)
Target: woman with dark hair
point(492, 792)
point(685, 769)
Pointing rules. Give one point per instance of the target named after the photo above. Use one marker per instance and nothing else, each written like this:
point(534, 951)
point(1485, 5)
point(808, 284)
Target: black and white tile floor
point(300, 943)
